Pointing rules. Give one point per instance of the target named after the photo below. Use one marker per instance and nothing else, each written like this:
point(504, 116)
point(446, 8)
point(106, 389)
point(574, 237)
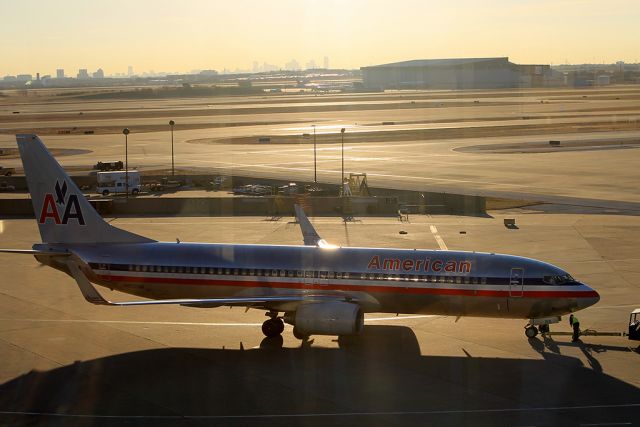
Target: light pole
point(342, 182)
point(125, 131)
point(172, 124)
point(315, 171)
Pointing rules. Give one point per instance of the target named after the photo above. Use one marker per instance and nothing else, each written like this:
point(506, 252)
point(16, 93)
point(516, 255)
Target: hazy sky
point(40, 36)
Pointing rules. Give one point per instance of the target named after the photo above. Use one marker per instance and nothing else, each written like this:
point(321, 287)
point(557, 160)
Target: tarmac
point(67, 362)
point(441, 125)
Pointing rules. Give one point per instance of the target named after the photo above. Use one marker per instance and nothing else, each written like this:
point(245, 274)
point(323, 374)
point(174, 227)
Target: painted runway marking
point(132, 322)
point(436, 236)
point(607, 424)
point(142, 322)
point(421, 316)
point(328, 414)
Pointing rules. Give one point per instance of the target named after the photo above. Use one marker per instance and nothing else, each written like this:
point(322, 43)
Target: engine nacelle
point(327, 318)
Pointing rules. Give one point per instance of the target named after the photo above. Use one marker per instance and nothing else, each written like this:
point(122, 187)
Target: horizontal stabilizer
point(35, 252)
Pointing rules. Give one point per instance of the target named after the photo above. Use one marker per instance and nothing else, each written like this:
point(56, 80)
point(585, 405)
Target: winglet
point(309, 233)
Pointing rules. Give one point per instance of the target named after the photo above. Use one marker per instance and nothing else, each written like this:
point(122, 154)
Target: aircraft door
point(516, 282)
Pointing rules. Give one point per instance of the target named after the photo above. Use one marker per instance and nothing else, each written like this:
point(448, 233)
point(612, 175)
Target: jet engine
point(327, 318)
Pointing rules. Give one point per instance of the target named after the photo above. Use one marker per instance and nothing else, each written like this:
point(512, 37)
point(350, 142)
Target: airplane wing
point(309, 233)
point(91, 294)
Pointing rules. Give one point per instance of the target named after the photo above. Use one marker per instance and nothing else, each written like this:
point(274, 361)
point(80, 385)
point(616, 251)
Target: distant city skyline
point(257, 67)
point(80, 34)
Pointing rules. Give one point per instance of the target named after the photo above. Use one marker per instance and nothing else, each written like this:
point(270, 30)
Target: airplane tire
point(531, 331)
point(272, 327)
point(280, 324)
point(105, 192)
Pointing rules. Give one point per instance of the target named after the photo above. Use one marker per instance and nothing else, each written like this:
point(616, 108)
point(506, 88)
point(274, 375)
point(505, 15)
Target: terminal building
point(464, 73)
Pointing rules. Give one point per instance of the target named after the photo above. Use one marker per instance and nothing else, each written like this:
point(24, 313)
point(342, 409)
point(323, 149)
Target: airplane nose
point(590, 298)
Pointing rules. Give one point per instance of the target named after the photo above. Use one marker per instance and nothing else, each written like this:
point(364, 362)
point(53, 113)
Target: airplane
point(319, 288)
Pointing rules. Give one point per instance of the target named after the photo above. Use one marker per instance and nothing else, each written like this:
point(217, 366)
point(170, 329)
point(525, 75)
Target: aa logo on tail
point(69, 207)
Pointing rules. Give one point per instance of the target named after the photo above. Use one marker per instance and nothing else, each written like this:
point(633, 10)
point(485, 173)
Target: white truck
point(115, 182)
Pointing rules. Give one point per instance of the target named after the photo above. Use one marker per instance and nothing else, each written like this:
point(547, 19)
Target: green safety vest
point(574, 320)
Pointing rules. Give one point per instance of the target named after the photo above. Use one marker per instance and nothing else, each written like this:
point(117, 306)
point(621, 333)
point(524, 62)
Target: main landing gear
point(273, 326)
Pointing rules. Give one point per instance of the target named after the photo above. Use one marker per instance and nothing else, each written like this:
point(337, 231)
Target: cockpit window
point(558, 280)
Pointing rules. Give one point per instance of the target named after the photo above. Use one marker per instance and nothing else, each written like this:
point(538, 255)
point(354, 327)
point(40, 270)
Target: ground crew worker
point(575, 323)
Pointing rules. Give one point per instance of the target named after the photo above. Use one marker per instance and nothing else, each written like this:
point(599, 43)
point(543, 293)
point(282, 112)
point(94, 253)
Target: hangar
point(460, 73)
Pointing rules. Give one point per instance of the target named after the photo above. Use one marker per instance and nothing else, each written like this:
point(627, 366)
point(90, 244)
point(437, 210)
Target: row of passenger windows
point(301, 274)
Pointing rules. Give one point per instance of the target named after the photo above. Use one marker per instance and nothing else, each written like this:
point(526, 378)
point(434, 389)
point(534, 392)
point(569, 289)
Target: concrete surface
point(67, 362)
point(427, 163)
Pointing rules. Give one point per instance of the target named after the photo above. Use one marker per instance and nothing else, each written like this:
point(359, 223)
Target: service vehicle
point(116, 165)
point(7, 171)
point(115, 182)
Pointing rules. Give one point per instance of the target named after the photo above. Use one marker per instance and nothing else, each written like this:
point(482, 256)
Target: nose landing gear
point(530, 331)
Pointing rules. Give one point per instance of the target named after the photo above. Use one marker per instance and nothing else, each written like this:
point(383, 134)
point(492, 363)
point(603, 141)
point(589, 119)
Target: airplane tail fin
point(63, 213)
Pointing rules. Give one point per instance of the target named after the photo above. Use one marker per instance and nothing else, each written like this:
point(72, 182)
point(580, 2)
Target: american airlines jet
point(319, 288)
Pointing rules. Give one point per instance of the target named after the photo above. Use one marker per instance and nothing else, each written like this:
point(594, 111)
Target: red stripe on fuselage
point(352, 288)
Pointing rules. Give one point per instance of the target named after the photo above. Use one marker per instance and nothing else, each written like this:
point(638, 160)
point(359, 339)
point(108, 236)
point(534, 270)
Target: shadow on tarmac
point(378, 380)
